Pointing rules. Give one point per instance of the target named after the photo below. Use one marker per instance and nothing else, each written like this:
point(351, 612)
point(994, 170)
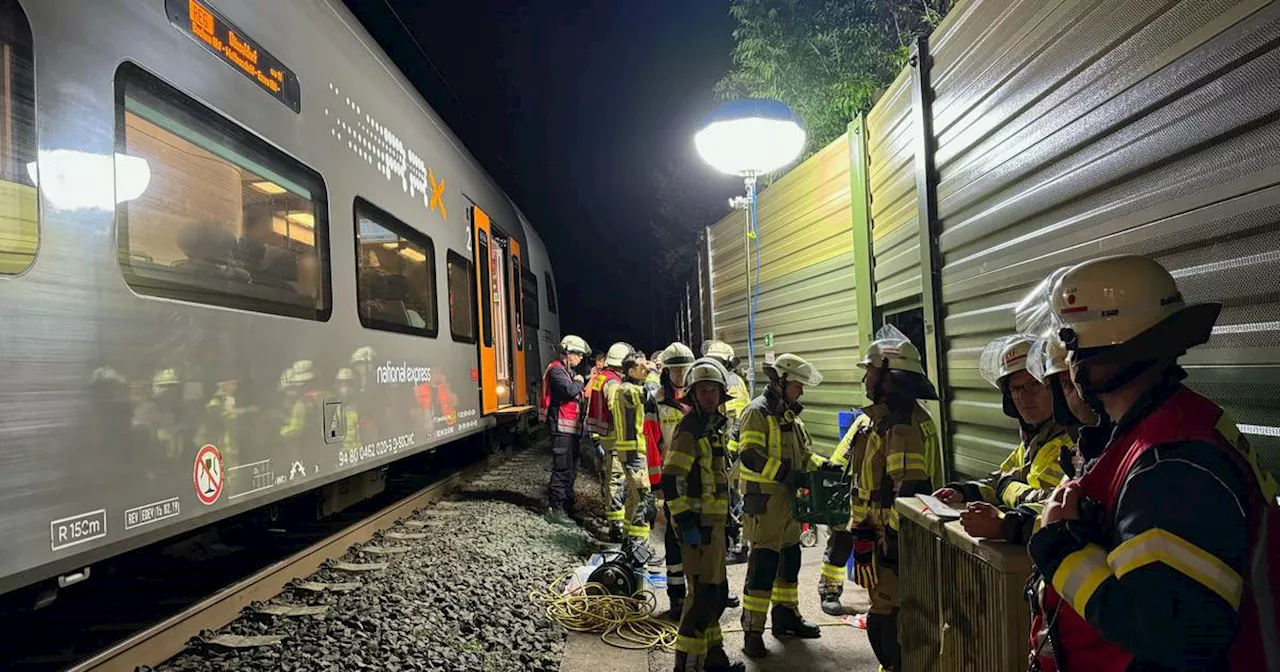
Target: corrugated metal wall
point(808, 296)
point(1064, 130)
point(895, 232)
point(1072, 129)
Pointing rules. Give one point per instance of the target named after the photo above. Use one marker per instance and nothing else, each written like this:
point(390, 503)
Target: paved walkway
point(842, 648)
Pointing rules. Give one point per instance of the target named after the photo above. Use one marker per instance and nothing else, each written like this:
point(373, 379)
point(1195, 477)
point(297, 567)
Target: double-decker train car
point(239, 259)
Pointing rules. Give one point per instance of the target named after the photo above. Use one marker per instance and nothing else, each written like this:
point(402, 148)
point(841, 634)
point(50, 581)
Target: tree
point(827, 59)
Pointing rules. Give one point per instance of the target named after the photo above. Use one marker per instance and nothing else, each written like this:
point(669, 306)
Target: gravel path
point(453, 595)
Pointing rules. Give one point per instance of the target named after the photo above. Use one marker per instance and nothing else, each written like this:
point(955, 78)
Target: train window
point(531, 311)
point(396, 264)
point(551, 292)
point(226, 219)
point(462, 298)
point(19, 204)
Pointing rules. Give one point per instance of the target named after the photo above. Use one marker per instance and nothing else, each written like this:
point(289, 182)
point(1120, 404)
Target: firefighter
point(1151, 559)
point(894, 382)
point(695, 481)
point(600, 421)
point(630, 446)
point(1031, 472)
point(774, 458)
point(1047, 362)
point(739, 397)
point(672, 406)
point(560, 406)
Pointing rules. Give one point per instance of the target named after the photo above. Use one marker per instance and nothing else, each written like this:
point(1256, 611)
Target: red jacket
point(1175, 572)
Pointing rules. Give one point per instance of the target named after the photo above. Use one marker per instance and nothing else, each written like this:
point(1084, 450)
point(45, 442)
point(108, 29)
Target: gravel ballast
point(454, 599)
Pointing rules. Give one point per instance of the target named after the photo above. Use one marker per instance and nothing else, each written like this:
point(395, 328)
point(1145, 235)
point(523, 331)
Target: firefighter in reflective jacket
point(560, 406)
point(739, 397)
point(627, 440)
point(695, 478)
point(903, 435)
point(1159, 555)
point(672, 405)
point(1031, 472)
point(774, 458)
point(600, 425)
point(1047, 363)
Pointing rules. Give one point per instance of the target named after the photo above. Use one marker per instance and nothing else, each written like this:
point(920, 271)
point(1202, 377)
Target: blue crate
point(846, 419)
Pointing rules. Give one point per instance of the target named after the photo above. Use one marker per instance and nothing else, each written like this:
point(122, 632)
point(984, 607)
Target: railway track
point(169, 637)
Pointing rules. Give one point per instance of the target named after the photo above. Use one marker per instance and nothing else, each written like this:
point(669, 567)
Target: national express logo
point(391, 374)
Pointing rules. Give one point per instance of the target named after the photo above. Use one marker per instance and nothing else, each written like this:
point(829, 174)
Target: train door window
point(911, 323)
point(396, 264)
point(531, 310)
point(498, 322)
point(462, 298)
point(551, 292)
point(19, 204)
point(224, 218)
point(483, 257)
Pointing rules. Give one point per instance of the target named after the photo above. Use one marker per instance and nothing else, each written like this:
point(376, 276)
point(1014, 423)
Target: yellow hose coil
point(624, 622)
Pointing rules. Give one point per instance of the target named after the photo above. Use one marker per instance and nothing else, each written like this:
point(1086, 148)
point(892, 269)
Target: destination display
point(229, 43)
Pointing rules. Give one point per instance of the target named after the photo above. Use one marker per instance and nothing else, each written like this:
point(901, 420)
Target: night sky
point(573, 106)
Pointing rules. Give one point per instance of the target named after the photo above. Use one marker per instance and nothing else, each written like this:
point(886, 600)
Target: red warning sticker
point(207, 475)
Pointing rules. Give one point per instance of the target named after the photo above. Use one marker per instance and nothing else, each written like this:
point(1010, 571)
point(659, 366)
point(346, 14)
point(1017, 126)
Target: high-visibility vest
point(568, 412)
point(599, 417)
point(1185, 416)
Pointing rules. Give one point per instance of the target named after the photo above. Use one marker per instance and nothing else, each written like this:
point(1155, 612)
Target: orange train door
point(498, 311)
point(518, 383)
point(483, 234)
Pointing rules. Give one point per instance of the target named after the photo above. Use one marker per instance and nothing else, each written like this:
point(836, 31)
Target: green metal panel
point(808, 295)
point(1072, 129)
point(860, 205)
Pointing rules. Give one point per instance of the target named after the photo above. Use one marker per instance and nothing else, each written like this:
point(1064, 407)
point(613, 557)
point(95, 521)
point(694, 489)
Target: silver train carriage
point(239, 259)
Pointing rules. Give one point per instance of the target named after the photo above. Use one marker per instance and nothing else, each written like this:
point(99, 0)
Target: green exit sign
point(768, 340)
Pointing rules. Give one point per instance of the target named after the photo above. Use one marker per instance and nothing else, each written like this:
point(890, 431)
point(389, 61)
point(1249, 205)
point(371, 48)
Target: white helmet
point(892, 349)
point(718, 350)
point(707, 369)
point(1122, 309)
point(574, 344)
point(1047, 357)
point(676, 355)
point(1004, 357)
point(618, 353)
point(793, 368)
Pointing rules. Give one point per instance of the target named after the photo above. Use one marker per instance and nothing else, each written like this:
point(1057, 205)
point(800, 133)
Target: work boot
point(732, 601)
point(735, 555)
point(831, 604)
point(787, 621)
point(718, 661)
point(677, 608)
point(557, 516)
point(753, 645)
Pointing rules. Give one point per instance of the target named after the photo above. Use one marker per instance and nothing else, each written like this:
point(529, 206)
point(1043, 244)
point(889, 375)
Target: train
point(240, 259)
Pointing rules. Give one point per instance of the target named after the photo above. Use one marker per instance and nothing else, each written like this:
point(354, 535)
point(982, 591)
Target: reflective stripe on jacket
point(695, 474)
point(773, 443)
point(568, 412)
point(890, 455)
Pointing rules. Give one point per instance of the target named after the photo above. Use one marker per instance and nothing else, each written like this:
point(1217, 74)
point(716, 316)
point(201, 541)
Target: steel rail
point(169, 637)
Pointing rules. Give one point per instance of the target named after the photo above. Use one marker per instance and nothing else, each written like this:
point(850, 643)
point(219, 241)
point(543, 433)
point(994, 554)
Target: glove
point(864, 560)
point(692, 536)
point(946, 495)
